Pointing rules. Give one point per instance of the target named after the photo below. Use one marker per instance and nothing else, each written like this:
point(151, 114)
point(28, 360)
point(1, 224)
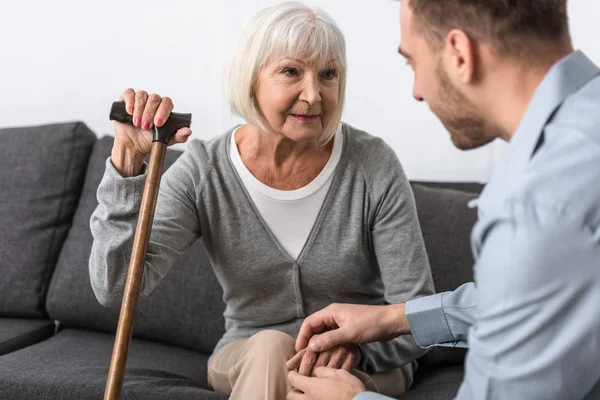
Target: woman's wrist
point(126, 162)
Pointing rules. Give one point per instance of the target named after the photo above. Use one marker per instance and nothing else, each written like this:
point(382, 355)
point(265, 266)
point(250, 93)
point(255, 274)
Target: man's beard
point(459, 116)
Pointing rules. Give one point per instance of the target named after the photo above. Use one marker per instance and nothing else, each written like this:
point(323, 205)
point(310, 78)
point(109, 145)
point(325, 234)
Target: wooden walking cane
point(131, 294)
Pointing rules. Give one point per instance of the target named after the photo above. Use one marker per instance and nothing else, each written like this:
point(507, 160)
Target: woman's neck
point(280, 162)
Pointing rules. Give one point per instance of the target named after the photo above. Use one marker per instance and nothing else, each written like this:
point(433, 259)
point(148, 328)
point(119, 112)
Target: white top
point(289, 214)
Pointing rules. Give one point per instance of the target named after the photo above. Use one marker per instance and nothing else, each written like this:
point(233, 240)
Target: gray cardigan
point(366, 245)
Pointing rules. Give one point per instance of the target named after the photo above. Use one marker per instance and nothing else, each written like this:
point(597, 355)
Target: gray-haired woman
point(297, 210)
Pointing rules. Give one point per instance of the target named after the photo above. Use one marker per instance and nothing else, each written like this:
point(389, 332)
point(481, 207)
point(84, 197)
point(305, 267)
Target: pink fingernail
point(159, 121)
point(132, 110)
point(146, 125)
point(137, 121)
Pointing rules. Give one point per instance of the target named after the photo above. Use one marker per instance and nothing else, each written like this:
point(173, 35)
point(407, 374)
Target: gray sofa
point(56, 340)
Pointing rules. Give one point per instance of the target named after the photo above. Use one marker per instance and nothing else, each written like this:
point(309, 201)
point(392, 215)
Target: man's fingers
point(294, 362)
point(330, 339)
point(308, 362)
point(296, 395)
point(326, 372)
point(298, 381)
point(331, 375)
point(312, 325)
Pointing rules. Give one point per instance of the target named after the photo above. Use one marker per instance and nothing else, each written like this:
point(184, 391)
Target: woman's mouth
point(306, 117)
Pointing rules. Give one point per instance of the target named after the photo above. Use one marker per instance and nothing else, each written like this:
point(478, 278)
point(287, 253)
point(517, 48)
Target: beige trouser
point(254, 369)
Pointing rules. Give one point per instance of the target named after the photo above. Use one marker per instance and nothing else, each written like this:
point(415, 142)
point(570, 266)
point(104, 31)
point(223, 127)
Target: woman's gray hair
point(289, 29)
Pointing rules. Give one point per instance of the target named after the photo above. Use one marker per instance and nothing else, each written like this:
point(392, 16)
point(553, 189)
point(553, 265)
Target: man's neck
point(512, 91)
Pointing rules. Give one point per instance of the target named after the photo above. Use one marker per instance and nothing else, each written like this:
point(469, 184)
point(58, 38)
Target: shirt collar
point(566, 77)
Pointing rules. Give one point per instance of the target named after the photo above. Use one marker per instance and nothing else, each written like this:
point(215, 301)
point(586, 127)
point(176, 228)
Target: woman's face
point(297, 99)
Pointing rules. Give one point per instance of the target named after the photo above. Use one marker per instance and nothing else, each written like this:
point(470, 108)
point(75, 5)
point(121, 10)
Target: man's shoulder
point(579, 114)
point(564, 172)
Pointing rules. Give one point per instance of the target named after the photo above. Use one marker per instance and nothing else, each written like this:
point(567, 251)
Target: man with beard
point(501, 69)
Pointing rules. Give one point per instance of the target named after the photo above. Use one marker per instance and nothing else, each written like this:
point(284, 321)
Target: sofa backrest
point(42, 170)
point(446, 222)
point(185, 309)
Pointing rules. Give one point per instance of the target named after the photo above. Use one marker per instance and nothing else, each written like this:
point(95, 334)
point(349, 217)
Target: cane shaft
point(135, 273)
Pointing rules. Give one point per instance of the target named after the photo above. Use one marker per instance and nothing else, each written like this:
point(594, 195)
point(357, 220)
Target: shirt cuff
point(427, 321)
point(371, 396)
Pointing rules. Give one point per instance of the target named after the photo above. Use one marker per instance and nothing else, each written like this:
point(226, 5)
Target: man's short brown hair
point(512, 27)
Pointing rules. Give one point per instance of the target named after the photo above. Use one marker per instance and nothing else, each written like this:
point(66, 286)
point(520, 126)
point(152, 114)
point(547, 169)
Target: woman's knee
point(273, 343)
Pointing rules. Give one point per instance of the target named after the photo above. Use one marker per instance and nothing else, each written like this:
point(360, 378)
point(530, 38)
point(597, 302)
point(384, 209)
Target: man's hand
point(328, 384)
point(350, 323)
point(344, 357)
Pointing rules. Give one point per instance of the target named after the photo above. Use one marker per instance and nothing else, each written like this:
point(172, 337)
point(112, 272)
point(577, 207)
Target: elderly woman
point(297, 210)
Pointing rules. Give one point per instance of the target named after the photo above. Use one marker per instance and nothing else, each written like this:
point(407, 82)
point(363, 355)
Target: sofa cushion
point(16, 333)
point(74, 365)
point(41, 175)
point(436, 384)
point(185, 308)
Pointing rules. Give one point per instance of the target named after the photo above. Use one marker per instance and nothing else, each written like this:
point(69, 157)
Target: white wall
point(69, 59)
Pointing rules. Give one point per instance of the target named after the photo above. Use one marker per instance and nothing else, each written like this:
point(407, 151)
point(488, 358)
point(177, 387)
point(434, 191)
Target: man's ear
point(461, 53)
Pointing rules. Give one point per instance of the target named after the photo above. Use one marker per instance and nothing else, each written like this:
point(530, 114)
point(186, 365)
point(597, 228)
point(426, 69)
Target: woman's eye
point(329, 73)
point(290, 71)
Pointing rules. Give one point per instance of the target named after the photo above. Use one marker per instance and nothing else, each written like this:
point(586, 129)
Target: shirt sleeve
point(538, 285)
point(114, 221)
point(444, 318)
point(400, 252)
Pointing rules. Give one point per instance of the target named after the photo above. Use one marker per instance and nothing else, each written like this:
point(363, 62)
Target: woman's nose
point(311, 92)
